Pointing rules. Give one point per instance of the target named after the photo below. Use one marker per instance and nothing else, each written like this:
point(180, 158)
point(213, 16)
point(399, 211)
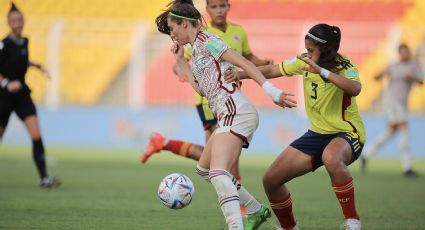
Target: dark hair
point(183, 8)
point(207, 1)
point(13, 8)
point(403, 46)
point(327, 38)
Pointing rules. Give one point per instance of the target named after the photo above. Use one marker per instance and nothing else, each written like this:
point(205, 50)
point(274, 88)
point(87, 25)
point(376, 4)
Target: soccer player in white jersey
point(402, 75)
point(237, 117)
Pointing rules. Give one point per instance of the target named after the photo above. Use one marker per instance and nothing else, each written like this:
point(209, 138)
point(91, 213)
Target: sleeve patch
point(215, 47)
point(352, 73)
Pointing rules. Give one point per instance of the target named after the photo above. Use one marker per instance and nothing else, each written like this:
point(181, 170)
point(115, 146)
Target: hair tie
point(181, 17)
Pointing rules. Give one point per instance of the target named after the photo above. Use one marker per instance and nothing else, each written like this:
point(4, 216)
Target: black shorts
point(206, 115)
point(313, 144)
point(20, 102)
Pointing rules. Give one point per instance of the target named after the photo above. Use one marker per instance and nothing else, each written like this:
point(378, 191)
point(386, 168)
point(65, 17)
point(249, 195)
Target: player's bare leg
point(32, 125)
point(336, 156)
point(403, 131)
point(252, 205)
point(226, 148)
point(376, 145)
point(1, 132)
point(289, 164)
point(157, 143)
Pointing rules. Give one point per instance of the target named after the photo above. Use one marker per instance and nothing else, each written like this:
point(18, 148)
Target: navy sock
point(38, 156)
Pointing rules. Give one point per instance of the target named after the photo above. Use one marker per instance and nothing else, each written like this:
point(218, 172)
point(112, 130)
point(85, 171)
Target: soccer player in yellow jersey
point(336, 136)
point(234, 36)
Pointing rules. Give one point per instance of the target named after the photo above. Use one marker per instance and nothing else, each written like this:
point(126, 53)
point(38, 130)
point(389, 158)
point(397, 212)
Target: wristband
point(325, 73)
point(272, 91)
point(4, 83)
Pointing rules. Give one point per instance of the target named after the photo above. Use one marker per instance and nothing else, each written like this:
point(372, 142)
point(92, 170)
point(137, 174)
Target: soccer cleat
point(277, 227)
point(255, 220)
point(351, 224)
point(156, 143)
point(410, 173)
point(363, 162)
point(50, 182)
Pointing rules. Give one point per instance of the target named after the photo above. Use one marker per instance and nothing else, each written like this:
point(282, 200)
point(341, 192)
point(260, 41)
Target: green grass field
point(112, 190)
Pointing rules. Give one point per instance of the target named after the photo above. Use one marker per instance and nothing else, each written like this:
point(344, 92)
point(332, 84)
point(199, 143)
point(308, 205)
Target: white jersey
point(208, 69)
point(397, 90)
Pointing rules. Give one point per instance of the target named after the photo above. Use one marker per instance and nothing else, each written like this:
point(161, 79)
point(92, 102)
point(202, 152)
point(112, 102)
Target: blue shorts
point(313, 144)
point(206, 116)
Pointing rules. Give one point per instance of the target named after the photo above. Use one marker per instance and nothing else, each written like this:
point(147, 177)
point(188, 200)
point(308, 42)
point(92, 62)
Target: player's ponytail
point(178, 10)
point(184, 1)
point(328, 39)
point(13, 8)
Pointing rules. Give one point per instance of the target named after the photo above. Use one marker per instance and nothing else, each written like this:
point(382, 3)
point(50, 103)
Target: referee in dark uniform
point(15, 94)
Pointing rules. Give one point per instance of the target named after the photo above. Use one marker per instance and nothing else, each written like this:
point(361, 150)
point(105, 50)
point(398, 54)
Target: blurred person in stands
point(233, 35)
point(15, 94)
point(401, 75)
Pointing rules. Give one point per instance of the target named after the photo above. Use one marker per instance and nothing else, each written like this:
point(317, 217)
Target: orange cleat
point(155, 145)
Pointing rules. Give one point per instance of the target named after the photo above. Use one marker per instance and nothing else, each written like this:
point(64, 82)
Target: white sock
point(247, 200)
point(203, 172)
point(404, 148)
point(228, 198)
point(382, 138)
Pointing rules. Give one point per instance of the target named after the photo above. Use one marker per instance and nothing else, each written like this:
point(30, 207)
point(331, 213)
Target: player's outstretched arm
point(238, 60)
point(350, 87)
point(269, 71)
point(40, 67)
point(381, 75)
point(184, 66)
point(257, 61)
point(279, 97)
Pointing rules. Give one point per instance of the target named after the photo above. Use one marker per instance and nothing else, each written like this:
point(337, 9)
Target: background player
point(402, 75)
point(15, 94)
point(234, 36)
point(335, 139)
point(237, 118)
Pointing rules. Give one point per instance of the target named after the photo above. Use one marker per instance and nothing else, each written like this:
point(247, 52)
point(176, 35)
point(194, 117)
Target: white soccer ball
point(176, 191)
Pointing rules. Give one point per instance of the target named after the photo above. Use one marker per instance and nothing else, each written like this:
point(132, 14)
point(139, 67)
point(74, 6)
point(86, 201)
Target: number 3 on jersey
point(314, 88)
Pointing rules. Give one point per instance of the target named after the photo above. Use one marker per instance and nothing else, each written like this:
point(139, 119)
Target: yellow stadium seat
point(95, 44)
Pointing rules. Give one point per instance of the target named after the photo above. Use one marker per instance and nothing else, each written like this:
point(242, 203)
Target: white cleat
point(280, 228)
point(351, 224)
point(49, 182)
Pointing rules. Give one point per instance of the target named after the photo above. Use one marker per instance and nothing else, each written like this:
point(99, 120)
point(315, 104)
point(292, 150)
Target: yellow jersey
point(235, 37)
point(328, 108)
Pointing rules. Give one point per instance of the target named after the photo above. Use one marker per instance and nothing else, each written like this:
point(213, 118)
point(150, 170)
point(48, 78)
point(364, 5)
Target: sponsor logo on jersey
point(236, 37)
